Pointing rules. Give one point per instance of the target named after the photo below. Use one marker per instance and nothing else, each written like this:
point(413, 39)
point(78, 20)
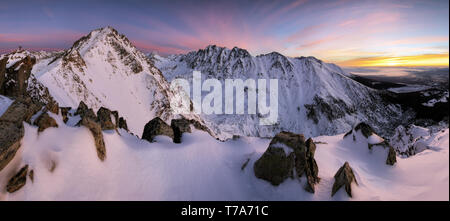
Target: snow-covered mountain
point(103, 68)
point(314, 97)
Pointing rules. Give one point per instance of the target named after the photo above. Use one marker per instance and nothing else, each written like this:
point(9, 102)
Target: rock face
point(44, 121)
point(14, 79)
point(180, 126)
point(11, 128)
point(104, 117)
point(288, 151)
point(96, 131)
point(18, 181)
point(344, 177)
point(156, 127)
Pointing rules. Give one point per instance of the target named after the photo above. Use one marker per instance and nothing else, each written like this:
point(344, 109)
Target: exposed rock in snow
point(156, 127)
point(344, 177)
point(96, 131)
point(287, 151)
point(18, 181)
point(44, 121)
point(365, 134)
point(104, 117)
point(315, 98)
point(180, 126)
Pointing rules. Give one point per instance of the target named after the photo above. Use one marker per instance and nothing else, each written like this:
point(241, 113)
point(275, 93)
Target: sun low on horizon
point(345, 32)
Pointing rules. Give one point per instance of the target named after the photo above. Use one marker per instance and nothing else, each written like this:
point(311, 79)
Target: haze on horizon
point(346, 32)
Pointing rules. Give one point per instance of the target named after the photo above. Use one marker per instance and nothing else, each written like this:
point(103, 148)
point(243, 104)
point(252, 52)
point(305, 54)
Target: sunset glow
point(346, 32)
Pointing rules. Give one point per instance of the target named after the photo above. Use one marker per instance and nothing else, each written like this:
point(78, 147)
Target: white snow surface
point(202, 168)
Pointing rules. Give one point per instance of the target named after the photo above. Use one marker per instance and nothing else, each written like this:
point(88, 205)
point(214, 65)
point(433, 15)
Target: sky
point(346, 32)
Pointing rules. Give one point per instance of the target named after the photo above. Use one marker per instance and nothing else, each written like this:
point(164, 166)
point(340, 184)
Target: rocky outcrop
point(53, 107)
point(344, 177)
point(123, 124)
point(180, 126)
point(16, 76)
point(288, 151)
point(96, 131)
point(104, 118)
point(44, 121)
point(17, 181)
point(85, 112)
point(365, 129)
point(11, 128)
point(65, 113)
point(156, 127)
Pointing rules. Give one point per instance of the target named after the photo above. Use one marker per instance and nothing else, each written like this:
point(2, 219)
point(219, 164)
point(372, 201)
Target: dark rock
point(104, 118)
point(17, 181)
point(85, 112)
point(65, 113)
point(392, 157)
point(96, 131)
point(11, 128)
point(156, 127)
point(365, 129)
point(123, 123)
point(15, 80)
point(44, 121)
point(275, 166)
point(179, 127)
point(2, 73)
point(344, 177)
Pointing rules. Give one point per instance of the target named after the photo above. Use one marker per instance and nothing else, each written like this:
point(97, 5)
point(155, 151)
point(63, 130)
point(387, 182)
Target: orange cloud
point(416, 60)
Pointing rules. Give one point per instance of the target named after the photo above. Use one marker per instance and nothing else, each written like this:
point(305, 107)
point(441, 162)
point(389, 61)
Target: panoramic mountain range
point(97, 117)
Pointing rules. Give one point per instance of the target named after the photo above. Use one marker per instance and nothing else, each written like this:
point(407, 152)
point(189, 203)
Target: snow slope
point(315, 98)
point(202, 168)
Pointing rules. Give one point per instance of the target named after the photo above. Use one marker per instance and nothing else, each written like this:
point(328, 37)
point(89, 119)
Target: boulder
point(104, 118)
point(65, 113)
point(96, 131)
point(344, 177)
point(156, 127)
point(275, 165)
point(180, 126)
point(365, 129)
point(17, 181)
point(44, 121)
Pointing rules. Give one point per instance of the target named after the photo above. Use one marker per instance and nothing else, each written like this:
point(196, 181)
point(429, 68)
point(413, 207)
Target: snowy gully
point(268, 114)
